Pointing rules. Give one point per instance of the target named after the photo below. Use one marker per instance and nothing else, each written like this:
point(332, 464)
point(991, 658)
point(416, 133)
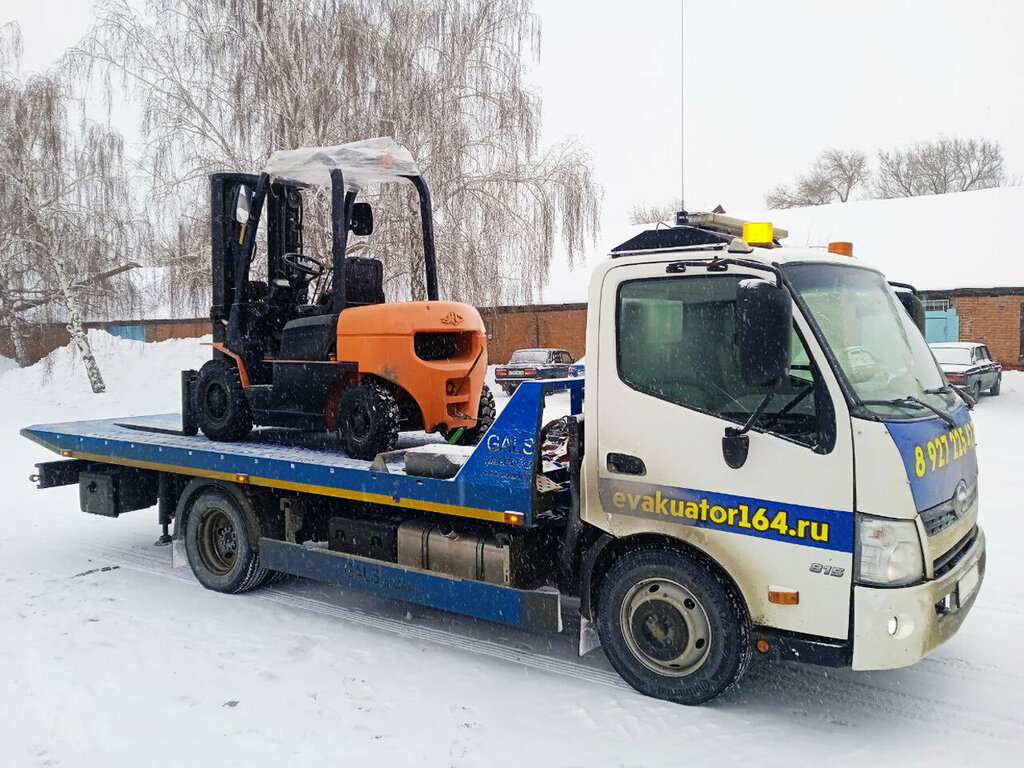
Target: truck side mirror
point(361, 223)
point(764, 332)
point(243, 202)
point(914, 307)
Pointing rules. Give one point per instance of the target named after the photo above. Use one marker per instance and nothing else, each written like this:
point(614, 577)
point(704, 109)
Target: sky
point(766, 87)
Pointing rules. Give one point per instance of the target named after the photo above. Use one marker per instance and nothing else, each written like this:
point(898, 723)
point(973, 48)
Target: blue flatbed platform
point(495, 483)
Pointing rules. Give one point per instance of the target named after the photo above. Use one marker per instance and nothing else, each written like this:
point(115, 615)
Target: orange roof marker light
point(759, 233)
point(841, 247)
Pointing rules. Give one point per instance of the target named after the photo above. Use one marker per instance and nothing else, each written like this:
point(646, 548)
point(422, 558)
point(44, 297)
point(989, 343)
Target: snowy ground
point(108, 657)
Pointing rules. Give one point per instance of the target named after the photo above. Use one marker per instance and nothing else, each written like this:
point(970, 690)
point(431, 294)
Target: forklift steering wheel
point(306, 265)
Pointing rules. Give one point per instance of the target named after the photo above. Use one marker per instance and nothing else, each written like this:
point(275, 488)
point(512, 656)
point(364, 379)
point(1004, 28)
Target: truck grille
point(950, 559)
point(942, 516)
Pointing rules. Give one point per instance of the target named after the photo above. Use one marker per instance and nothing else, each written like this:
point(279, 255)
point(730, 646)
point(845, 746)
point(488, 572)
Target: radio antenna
point(682, 93)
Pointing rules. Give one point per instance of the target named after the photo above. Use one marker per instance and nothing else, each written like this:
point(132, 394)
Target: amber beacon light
point(841, 247)
point(758, 232)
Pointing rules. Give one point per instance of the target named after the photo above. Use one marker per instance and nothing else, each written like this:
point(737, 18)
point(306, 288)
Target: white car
point(969, 365)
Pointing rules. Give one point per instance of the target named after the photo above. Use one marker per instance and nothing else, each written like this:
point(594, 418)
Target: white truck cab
point(774, 415)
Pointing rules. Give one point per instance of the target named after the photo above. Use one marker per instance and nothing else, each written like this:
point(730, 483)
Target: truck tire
point(672, 628)
point(367, 419)
point(217, 542)
point(510, 389)
point(219, 402)
point(485, 414)
point(994, 390)
point(975, 391)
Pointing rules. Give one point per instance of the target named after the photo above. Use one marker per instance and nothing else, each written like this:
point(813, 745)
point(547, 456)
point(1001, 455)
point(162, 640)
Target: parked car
point(969, 365)
point(527, 364)
point(577, 369)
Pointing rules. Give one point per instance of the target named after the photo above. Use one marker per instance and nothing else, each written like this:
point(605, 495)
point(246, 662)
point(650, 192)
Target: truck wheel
point(975, 391)
point(994, 390)
point(219, 402)
point(217, 542)
point(486, 412)
point(367, 419)
point(672, 628)
point(508, 389)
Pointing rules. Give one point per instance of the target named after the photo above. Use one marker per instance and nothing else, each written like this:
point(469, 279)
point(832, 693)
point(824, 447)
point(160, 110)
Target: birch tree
point(222, 84)
point(648, 214)
point(833, 178)
point(939, 167)
point(66, 211)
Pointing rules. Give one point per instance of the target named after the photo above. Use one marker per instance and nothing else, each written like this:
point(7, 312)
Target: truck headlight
point(888, 552)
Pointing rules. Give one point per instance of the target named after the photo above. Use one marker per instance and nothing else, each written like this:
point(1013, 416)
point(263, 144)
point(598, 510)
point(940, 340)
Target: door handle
point(624, 464)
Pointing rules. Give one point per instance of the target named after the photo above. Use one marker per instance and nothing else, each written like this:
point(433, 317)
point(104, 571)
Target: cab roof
point(696, 242)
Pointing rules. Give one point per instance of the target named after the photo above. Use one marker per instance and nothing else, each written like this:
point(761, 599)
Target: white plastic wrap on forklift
point(370, 161)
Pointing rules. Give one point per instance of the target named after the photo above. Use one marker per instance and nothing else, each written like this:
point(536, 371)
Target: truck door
point(668, 385)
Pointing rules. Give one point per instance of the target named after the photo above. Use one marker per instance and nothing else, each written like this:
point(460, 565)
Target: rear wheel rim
point(216, 400)
point(359, 422)
point(665, 627)
point(218, 541)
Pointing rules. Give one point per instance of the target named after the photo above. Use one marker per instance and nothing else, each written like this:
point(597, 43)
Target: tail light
point(530, 372)
point(956, 378)
point(500, 371)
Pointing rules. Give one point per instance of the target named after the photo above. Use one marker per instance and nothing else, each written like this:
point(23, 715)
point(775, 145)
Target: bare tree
point(939, 167)
point(223, 84)
point(66, 221)
point(648, 214)
point(835, 175)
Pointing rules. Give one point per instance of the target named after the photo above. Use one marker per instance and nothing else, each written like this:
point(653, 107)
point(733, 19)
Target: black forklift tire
point(994, 389)
point(671, 627)
point(218, 545)
point(367, 417)
point(219, 403)
point(486, 413)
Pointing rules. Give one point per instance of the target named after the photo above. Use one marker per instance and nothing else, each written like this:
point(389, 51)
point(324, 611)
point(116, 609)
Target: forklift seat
point(364, 281)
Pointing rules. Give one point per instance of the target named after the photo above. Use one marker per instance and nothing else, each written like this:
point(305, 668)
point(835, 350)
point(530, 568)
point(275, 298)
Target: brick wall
point(508, 328)
point(994, 321)
point(556, 325)
point(42, 338)
point(991, 316)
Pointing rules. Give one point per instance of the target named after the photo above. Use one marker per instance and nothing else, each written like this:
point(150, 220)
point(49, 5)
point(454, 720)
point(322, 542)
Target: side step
point(531, 609)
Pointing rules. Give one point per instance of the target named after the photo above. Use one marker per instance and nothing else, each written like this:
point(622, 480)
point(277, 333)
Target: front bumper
point(926, 614)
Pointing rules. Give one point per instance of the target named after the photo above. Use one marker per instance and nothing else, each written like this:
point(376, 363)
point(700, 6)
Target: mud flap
point(589, 639)
point(179, 557)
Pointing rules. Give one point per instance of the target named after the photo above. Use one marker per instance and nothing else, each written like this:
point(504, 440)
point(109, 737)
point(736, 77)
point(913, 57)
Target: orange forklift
point(316, 346)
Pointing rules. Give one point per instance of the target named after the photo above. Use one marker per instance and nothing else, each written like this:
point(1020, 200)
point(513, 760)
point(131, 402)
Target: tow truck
point(731, 478)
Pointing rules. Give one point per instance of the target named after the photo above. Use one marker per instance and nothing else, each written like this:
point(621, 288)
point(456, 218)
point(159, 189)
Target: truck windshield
point(879, 349)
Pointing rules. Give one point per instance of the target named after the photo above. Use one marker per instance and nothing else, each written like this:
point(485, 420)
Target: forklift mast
point(230, 259)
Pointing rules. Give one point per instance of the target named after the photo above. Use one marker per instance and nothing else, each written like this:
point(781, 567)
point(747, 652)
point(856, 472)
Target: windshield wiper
point(914, 403)
point(945, 389)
